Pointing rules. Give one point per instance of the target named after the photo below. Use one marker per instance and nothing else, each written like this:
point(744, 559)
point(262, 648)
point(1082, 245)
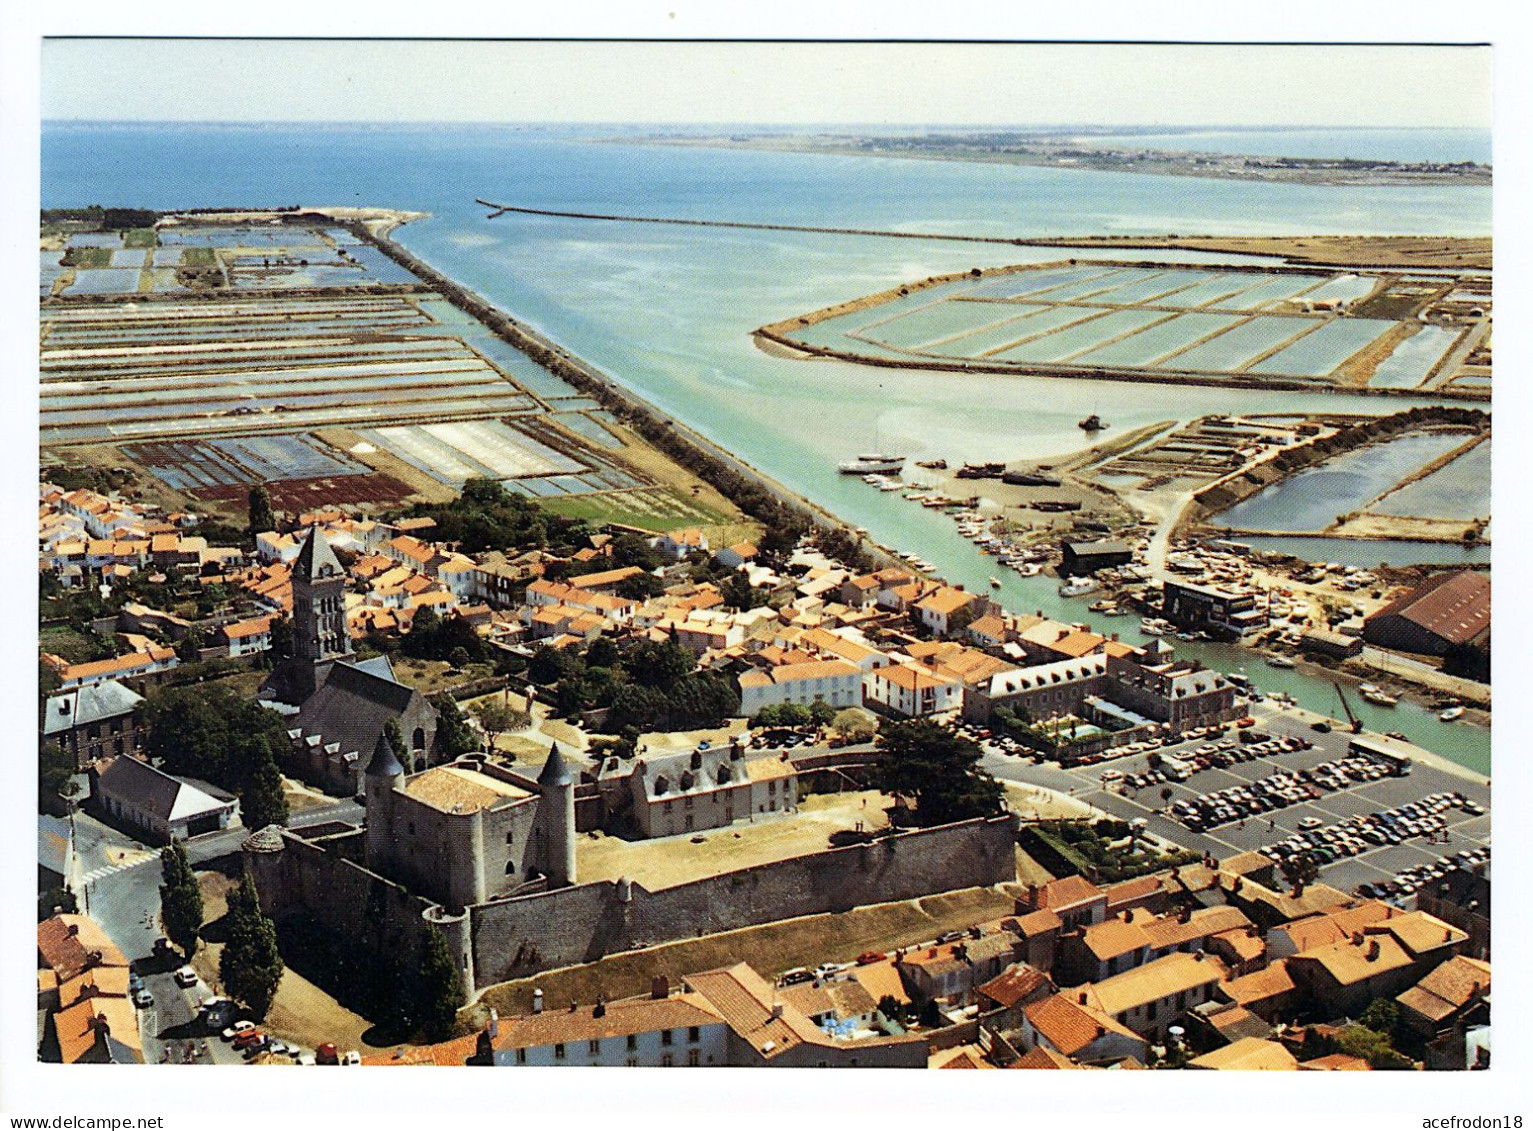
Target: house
point(163, 807)
point(83, 987)
point(1074, 900)
point(1380, 960)
point(836, 682)
point(1003, 998)
point(1247, 1055)
point(765, 1031)
point(1044, 691)
point(733, 557)
point(1271, 992)
point(706, 788)
point(1450, 609)
point(248, 637)
point(99, 720)
point(1068, 1024)
point(133, 665)
point(913, 692)
point(1149, 998)
point(947, 607)
point(661, 1031)
point(677, 544)
point(1440, 1001)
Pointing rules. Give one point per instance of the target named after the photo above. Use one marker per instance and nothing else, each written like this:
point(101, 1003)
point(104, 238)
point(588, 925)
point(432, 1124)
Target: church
point(335, 705)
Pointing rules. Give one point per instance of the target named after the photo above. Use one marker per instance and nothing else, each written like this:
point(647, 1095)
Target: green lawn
point(140, 237)
point(76, 647)
point(199, 257)
point(657, 509)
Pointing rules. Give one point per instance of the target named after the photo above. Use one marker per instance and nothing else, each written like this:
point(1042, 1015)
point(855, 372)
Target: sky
point(1151, 84)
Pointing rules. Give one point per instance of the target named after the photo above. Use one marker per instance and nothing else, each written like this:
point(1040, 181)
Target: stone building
point(99, 720)
point(464, 833)
point(336, 705)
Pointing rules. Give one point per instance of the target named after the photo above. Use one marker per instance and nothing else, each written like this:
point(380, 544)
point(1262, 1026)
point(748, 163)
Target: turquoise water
point(669, 311)
point(1366, 555)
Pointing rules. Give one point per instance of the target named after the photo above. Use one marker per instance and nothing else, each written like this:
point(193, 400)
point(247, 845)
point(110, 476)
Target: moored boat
point(872, 463)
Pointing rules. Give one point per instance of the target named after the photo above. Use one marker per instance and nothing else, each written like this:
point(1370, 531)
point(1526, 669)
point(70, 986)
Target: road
point(117, 881)
point(1381, 863)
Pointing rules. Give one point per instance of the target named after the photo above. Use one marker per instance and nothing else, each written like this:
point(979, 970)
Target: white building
point(914, 692)
point(836, 682)
point(671, 1031)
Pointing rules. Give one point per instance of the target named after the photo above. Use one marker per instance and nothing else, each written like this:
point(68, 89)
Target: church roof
point(351, 706)
point(316, 559)
point(555, 771)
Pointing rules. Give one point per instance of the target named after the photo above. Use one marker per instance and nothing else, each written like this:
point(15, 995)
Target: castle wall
point(517, 937)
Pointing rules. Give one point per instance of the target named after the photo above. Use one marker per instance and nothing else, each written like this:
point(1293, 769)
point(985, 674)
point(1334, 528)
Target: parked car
point(868, 957)
point(186, 977)
point(143, 999)
point(236, 1029)
point(795, 977)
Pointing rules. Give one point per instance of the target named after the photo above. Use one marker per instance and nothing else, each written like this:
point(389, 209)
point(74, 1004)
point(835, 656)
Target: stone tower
point(556, 819)
point(384, 773)
point(320, 636)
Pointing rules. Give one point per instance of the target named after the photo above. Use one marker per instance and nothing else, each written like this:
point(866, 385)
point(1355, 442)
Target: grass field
point(89, 257)
point(656, 509)
point(73, 646)
point(770, 949)
point(199, 257)
point(140, 237)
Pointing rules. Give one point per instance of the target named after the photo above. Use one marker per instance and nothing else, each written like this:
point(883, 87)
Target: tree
point(1372, 1046)
point(1382, 1016)
point(262, 801)
point(452, 729)
point(281, 639)
point(55, 771)
point(939, 771)
point(782, 715)
point(262, 517)
point(206, 731)
point(180, 898)
point(250, 966)
point(1166, 794)
point(1300, 870)
point(56, 899)
point(497, 716)
point(855, 724)
point(602, 653)
point(396, 741)
point(440, 988)
point(821, 713)
point(189, 648)
point(660, 665)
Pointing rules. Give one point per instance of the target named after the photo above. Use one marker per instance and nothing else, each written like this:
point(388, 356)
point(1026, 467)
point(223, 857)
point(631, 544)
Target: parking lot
point(1464, 831)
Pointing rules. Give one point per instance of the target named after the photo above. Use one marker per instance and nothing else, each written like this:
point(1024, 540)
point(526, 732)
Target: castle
point(337, 705)
point(464, 833)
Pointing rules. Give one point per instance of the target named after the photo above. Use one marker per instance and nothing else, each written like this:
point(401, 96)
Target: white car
point(1310, 823)
point(186, 977)
point(236, 1029)
point(143, 999)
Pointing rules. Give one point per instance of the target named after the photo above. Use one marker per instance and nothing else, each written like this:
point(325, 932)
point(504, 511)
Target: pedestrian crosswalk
point(110, 869)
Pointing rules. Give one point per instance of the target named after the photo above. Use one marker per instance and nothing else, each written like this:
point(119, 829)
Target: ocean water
point(669, 311)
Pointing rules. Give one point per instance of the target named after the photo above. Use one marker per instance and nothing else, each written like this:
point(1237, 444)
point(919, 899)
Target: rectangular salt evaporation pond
point(169, 256)
point(289, 456)
point(1083, 336)
point(1029, 282)
point(933, 323)
point(1219, 285)
point(1162, 287)
point(1236, 346)
point(1311, 499)
point(1269, 293)
point(1072, 292)
point(1460, 489)
point(130, 257)
point(103, 281)
point(583, 425)
point(1156, 341)
point(342, 238)
point(96, 239)
point(1348, 288)
point(1412, 359)
point(1031, 320)
point(1319, 353)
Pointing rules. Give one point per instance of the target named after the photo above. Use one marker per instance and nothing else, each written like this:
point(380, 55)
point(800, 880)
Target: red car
point(868, 957)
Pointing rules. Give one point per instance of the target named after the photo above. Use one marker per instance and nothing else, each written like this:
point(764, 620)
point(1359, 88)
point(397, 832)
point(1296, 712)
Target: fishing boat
point(1451, 713)
point(995, 583)
point(1379, 698)
point(1031, 569)
point(1280, 662)
point(1078, 587)
point(872, 463)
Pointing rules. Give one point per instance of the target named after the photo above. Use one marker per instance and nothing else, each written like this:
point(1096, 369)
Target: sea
point(668, 311)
